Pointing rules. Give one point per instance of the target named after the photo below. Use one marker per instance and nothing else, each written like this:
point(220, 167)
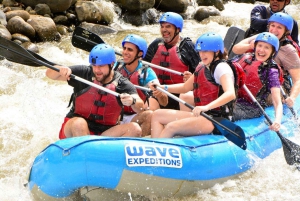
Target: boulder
point(54, 5)
point(44, 27)
point(18, 25)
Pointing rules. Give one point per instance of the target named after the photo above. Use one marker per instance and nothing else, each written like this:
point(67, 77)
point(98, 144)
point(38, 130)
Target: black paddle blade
point(41, 58)
point(238, 138)
point(291, 150)
point(8, 49)
point(232, 37)
point(85, 39)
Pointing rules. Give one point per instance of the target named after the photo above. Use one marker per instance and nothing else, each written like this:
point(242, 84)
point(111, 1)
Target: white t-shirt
point(222, 69)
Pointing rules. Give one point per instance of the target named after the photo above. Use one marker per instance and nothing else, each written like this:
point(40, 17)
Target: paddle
point(285, 97)
point(21, 60)
point(233, 36)
point(86, 40)
point(290, 149)
point(228, 129)
point(9, 49)
point(33, 62)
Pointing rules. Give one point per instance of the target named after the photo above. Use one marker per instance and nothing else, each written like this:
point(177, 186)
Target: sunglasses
point(279, 0)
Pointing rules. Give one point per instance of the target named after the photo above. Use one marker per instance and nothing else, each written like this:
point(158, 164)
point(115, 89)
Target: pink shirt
point(287, 57)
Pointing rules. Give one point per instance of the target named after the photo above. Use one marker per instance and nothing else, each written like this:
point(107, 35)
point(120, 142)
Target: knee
point(155, 114)
point(79, 123)
point(171, 127)
point(136, 130)
point(148, 115)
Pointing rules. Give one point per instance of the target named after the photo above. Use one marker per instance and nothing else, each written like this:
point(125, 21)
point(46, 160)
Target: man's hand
point(126, 99)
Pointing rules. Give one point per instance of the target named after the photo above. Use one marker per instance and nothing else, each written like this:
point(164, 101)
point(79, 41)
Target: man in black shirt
point(95, 111)
point(260, 15)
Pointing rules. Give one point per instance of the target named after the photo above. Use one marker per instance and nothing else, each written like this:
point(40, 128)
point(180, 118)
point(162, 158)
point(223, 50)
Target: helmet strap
point(175, 34)
point(135, 58)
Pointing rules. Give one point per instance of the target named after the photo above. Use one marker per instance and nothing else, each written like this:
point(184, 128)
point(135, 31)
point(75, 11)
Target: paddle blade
point(41, 58)
point(85, 39)
point(232, 37)
point(291, 151)
point(238, 138)
point(8, 49)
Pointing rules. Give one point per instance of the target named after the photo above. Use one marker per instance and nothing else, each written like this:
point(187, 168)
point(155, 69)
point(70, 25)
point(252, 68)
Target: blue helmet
point(138, 41)
point(284, 19)
point(172, 18)
point(209, 42)
point(102, 54)
point(268, 38)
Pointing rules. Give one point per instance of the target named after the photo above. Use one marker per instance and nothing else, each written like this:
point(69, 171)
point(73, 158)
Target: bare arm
point(295, 74)
point(276, 98)
point(227, 96)
point(128, 100)
point(63, 74)
point(244, 45)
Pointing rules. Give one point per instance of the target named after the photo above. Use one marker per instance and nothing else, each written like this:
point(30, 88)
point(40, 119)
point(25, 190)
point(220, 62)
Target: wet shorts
point(62, 132)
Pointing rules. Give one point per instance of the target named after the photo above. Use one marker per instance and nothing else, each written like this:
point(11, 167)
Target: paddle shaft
point(266, 116)
point(201, 113)
point(32, 58)
point(90, 42)
point(142, 88)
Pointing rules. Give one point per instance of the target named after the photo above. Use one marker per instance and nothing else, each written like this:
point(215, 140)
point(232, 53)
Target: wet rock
point(55, 5)
point(61, 19)
point(151, 16)
point(3, 18)
point(20, 37)
point(62, 30)
point(178, 6)
point(216, 3)
point(134, 5)
point(42, 9)
point(4, 32)
point(251, 1)
point(21, 13)
point(18, 25)
point(6, 9)
point(204, 12)
point(94, 12)
point(30, 46)
point(9, 3)
point(133, 18)
point(17, 41)
point(88, 11)
point(45, 28)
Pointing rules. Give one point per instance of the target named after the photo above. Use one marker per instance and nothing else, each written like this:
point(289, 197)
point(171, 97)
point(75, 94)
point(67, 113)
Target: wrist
point(133, 101)
point(166, 87)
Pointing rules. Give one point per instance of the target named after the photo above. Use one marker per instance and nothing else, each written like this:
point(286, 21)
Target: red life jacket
point(168, 59)
point(204, 91)
point(97, 105)
point(134, 79)
point(207, 90)
point(252, 78)
point(296, 46)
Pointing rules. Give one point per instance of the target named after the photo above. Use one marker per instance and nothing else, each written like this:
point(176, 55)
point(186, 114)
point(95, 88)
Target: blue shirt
point(150, 75)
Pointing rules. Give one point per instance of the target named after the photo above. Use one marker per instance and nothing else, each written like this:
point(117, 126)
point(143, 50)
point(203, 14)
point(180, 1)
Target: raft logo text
point(153, 155)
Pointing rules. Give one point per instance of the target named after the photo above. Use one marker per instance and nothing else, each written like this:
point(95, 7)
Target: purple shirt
point(273, 78)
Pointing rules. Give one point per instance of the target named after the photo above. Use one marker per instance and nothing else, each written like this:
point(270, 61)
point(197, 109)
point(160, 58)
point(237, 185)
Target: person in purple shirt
point(263, 79)
point(260, 15)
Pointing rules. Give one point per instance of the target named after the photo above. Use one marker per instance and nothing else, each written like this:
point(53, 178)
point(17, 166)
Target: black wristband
point(133, 101)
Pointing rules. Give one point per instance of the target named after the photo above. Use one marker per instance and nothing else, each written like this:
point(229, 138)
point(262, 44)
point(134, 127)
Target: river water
point(32, 108)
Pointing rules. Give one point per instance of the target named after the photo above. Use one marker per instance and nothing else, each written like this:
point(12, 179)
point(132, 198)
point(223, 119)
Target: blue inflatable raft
point(87, 166)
